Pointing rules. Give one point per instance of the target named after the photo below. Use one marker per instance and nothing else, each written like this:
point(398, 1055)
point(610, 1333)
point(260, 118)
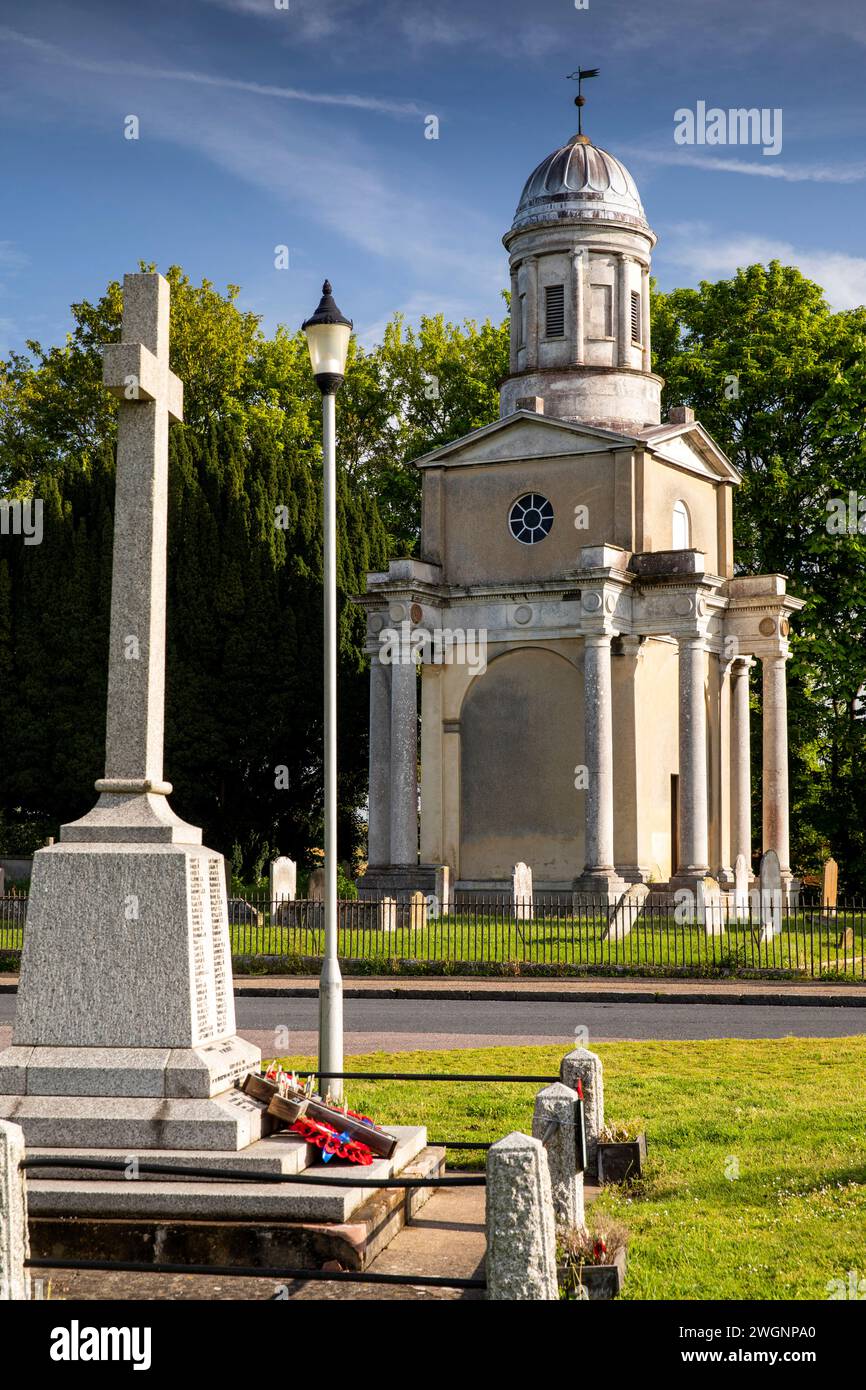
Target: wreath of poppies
point(332, 1144)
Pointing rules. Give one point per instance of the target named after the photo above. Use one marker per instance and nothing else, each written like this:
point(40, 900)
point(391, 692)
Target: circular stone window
point(530, 518)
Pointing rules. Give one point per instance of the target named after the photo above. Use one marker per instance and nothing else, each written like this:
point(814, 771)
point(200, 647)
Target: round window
point(530, 518)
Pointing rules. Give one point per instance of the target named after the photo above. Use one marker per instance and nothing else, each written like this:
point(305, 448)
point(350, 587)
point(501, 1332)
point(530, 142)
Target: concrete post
point(521, 1234)
point(404, 760)
point(741, 762)
point(555, 1105)
point(694, 835)
point(775, 757)
point(379, 806)
point(14, 1239)
point(585, 1066)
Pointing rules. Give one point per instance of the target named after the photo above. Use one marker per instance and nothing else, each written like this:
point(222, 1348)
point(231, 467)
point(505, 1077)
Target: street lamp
point(328, 334)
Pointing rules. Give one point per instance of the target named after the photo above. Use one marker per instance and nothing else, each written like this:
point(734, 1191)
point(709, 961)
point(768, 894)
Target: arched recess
point(521, 737)
point(681, 525)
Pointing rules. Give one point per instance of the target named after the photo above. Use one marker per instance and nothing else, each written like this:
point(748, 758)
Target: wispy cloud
point(692, 248)
point(790, 173)
point(116, 67)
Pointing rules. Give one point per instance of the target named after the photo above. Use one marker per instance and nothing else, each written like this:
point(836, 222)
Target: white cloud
point(851, 172)
point(690, 247)
point(120, 68)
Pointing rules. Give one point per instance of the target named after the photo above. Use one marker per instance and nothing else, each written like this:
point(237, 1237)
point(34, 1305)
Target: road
point(289, 1025)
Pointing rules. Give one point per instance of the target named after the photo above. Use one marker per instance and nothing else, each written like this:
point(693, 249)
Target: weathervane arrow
point(580, 100)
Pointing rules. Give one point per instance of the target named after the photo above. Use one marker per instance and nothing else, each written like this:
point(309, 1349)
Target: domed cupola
point(579, 181)
point(580, 248)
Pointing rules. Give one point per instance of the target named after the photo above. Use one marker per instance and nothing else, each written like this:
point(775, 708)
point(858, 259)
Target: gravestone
point(316, 886)
point(387, 914)
point(417, 911)
point(741, 887)
point(628, 910)
point(521, 885)
point(830, 885)
point(283, 880)
point(770, 896)
point(708, 902)
point(124, 1033)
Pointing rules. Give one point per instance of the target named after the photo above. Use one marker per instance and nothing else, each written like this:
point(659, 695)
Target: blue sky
point(305, 126)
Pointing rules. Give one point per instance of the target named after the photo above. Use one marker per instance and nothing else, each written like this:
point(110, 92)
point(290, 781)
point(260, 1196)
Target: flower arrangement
point(579, 1250)
point(615, 1134)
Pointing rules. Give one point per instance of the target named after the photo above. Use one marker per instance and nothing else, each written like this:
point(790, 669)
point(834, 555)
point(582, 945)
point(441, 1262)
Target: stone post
point(577, 264)
point(585, 1066)
point(775, 757)
point(521, 1233)
point(623, 335)
point(14, 1239)
point(404, 759)
point(555, 1105)
point(379, 804)
point(531, 343)
point(515, 320)
point(694, 836)
point(741, 761)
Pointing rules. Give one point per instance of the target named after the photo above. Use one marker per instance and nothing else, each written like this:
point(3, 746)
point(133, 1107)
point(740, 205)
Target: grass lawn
point(787, 1116)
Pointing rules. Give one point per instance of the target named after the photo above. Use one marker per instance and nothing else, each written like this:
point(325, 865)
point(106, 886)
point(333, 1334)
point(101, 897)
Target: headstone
point(124, 1032)
point(830, 885)
point(521, 883)
point(627, 911)
point(316, 886)
point(521, 1233)
point(388, 914)
point(770, 896)
point(417, 911)
point(708, 902)
point(243, 914)
point(439, 901)
point(741, 887)
point(585, 1066)
point(14, 1238)
point(283, 880)
point(555, 1116)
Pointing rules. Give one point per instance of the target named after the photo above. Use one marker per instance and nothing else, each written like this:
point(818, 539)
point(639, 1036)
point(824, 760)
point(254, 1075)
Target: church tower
point(585, 648)
point(579, 249)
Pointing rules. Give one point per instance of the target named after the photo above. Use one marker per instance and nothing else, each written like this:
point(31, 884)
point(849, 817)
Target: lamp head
point(328, 333)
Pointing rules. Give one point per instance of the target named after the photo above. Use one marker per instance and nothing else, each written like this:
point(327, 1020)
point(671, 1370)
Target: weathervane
point(580, 99)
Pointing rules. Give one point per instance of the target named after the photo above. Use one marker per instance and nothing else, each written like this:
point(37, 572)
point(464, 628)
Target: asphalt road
point(289, 1025)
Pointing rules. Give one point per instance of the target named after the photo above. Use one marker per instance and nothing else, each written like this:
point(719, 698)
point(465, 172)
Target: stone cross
point(136, 370)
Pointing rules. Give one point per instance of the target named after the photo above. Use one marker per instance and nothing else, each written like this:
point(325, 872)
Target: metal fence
point(551, 935)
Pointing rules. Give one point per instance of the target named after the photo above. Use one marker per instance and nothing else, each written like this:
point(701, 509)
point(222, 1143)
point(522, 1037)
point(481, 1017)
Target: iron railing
point(552, 934)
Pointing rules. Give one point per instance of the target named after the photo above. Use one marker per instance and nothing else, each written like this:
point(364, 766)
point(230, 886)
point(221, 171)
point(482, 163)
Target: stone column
point(531, 344)
point(741, 762)
point(379, 806)
point(404, 759)
point(515, 320)
point(598, 754)
point(694, 838)
point(645, 318)
point(577, 262)
point(553, 1122)
point(775, 751)
point(585, 1067)
point(623, 337)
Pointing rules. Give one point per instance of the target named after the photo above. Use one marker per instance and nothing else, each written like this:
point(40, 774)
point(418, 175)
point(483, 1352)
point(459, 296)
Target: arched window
point(682, 527)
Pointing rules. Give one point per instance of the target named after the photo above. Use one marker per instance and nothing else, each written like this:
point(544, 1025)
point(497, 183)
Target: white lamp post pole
point(328, 334)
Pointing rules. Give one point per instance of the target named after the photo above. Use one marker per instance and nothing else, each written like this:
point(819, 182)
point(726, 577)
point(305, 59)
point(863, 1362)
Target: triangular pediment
point(522, 436)
point(690, 446)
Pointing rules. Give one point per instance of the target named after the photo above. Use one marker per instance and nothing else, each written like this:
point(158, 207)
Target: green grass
point(788, 1112)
